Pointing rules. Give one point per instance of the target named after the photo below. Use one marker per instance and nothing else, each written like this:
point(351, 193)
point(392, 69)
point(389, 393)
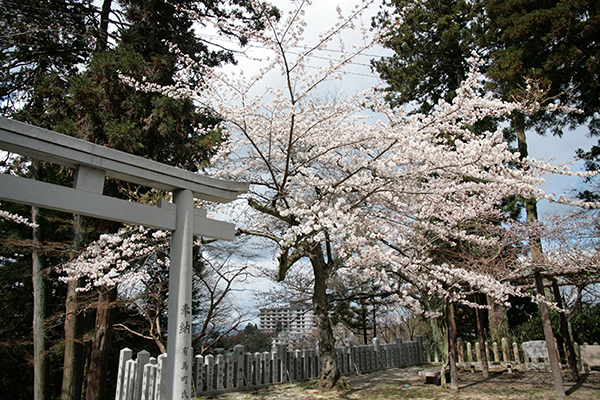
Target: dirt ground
point(405, 383)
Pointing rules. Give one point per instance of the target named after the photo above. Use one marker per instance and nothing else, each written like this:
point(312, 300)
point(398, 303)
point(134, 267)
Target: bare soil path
point(405, 383)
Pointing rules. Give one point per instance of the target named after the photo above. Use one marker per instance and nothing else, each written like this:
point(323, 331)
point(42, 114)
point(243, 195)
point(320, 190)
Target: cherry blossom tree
point(136, 260)
point(347, 180)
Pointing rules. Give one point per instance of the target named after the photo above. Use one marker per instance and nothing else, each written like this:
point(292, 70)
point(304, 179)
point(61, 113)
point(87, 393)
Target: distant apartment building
point(289, 323)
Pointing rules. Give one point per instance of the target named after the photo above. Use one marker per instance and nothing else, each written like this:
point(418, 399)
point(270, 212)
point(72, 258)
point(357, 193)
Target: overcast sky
point(321, 15)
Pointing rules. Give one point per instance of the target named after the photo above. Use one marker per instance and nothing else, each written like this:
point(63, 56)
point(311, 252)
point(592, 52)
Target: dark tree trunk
point(102, 39)
point(451, 322)
point(40, 358)
point(330, 374)
point(481, 337)
point(374, 321)
point(498, 320)
point(549, 336)
point(364, 321)
point(564, 331)
point(73, 353)
point(535, 246)
point(435, 325)
point(96, 382)
point(89, 322)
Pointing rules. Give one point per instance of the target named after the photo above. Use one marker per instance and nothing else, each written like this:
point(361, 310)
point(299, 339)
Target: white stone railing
point(532, 355)
point(144, 377)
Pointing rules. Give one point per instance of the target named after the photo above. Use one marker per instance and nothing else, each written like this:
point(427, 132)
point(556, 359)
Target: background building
point(290, 323)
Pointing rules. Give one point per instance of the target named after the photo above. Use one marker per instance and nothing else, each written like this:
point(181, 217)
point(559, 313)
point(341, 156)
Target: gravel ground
point(405, 383)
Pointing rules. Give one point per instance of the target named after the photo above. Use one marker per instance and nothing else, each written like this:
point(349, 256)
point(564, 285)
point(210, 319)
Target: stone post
point(248, 358)
point(505, 350)
point(160, 388)
point(198, 375)
point(496, 352)
point(148, 378)
point(257, 370)
point(229, 370)
point(266, 362)
point(419, 340)
point(142, 358)
point(224, 371)
point(130, 383)
point(470, 357)
point(124, 356)
point(238, 353)
point(469, 352)
point(377, 361)
point(516, 352)
point(209, 361)
point(461, 350)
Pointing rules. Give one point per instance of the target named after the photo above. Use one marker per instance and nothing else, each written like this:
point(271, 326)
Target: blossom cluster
point(116, 257)
point(17, 218)
point(380, 187)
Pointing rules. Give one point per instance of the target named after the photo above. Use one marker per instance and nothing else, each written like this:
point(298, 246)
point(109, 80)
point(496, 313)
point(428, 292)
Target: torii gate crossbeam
point(93, 164)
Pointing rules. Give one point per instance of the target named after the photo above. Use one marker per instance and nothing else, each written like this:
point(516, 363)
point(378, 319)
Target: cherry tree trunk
point(485, 369)
point(451, 322)
point(96, 382)
point(330, 374)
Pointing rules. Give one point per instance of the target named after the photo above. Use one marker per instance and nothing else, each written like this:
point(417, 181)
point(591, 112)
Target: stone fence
point(143, 378)
point(531, 355)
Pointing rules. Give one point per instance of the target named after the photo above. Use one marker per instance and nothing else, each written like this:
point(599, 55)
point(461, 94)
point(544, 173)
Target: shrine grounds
point(405, 383)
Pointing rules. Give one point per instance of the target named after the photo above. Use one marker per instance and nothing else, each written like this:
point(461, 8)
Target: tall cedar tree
point(61, 75)
point(430, 49)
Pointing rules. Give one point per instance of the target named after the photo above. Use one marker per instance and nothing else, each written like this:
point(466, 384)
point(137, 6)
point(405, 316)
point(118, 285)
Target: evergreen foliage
point(61, 62)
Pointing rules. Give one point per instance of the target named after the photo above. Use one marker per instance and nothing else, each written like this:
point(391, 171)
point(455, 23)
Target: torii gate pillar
point(179, 341)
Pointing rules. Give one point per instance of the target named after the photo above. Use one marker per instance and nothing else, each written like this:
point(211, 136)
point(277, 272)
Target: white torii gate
point(93, 163)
